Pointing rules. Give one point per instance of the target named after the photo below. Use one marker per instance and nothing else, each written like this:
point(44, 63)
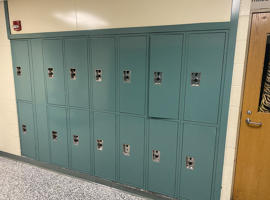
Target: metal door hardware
point(54, 135)
point(100, 145)
point(195, 78)
point(156, 156)
point(190, 162)
point(73, 73)
point(50, 72)
point(19, 71)
point(126, 149)
point(24, 129)
point(98, 73)
point(249, 112)
point(158, 78)
point(248, 121)
point(127, 76)
point(76, 139)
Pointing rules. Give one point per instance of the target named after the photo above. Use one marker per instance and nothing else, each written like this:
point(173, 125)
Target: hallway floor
point(23, 181)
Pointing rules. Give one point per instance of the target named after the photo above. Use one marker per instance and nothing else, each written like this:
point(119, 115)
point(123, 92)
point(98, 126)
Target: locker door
point(27, 129)
point(132, 74)
point(58, 135)
point(103, 72)
point(131, 150)
point(198, 143)
point(104, 145)
point(80, 140)
point(205, 58)
point(54, 71)
point(77, 73)
point(162, 157)
point(165, 68)
point(21, 69)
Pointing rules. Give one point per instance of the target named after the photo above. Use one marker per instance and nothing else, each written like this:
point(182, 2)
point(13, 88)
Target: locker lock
point(156, 156)
point(73, 73)
point(127, 76)
point(190, 162)
point(54, 135)
point(98, 74)
point(126, 149)
point(24, 129)
point(158, 78)
point(195, 78)
point(100, 145)
point(50, 72)
point(76, 139)
point(19, 71)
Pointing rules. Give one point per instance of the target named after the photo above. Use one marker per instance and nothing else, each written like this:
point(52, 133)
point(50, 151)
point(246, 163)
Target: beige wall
point(9, 133)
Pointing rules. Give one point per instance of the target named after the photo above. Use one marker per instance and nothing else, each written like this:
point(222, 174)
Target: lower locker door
point(197, 162)
point(80, 140)
point(27, 130)
point(162, 157)
point(58, 136)
point(131, 150)
point(104, 141)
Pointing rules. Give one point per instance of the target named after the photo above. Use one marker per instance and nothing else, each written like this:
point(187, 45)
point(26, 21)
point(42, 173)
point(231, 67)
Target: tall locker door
point(58, 135)
point(203, 77)
point(131, 150)
point(197, 162)
point(104, 141)
point(132, 74)
point(162, 157)
point(77, 73)
point(27, 129)
point(54, 71)
point(103, 73)
point(21, 69)
point(165, 68)
point(80, 140)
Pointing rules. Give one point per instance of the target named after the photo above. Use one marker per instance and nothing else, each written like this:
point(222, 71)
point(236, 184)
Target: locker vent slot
point(73, 73)
point(98, 74)
point(76, 139)
point(127, 76)
point(126, 149)
point(195, 79)
point(158, 78)
point(54, 135)
point(100, 145)
point(50, 72)
point(24, 129)
point(190, 162)
point(19, 71)
point(156, 156)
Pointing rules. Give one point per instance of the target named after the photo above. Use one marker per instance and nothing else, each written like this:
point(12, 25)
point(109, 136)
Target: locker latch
point(50, 72)
point(54, 135)
point(100, 145)
point(156, 156)
point(127, 76)
point(126, 149)
point(19, 71)
point(24, 129)
point(73, 73)
point(190, 162)
point(158, 78)
point(98, 73)
point(195, 78)
point(76, 139)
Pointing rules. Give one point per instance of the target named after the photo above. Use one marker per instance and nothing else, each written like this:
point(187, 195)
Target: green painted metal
point(198, 142)
point(53, 58)
point(26, 118)
point(76, 58)
point(133, 54)
point(165, 57)
point(103, 58)
point(58, 123)
point(104, 129)
point(20, 58)
point(161, 175)
point(80, 153)
point(205, 55)
point(131, 166)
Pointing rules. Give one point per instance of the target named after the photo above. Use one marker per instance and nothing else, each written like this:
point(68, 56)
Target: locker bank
point(139, 104)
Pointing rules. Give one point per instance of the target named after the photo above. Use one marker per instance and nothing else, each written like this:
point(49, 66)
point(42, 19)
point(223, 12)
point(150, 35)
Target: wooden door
point(252, 180)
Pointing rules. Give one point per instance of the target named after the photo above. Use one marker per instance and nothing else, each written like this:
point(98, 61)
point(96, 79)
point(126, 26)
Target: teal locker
point(165, 68)
point(21, 69)
point(132, 74)
point(103, 72)
point(104, 145)
point(162, 157)
point(54, 71)
point(27, 129)
point(80, 140)
point(131, 150)
point(58, 135)
point(198, 143)
point(77, 73)
point(205, 58)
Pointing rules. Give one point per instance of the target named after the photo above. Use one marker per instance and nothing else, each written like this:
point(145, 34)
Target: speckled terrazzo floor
point(23, 181)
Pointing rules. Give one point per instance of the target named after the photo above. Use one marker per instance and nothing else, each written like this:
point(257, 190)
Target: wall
point(9, 132)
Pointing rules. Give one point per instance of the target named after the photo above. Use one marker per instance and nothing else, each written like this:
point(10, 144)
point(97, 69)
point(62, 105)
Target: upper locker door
point(21, 68)
point(203, 77)
point(165, 68)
